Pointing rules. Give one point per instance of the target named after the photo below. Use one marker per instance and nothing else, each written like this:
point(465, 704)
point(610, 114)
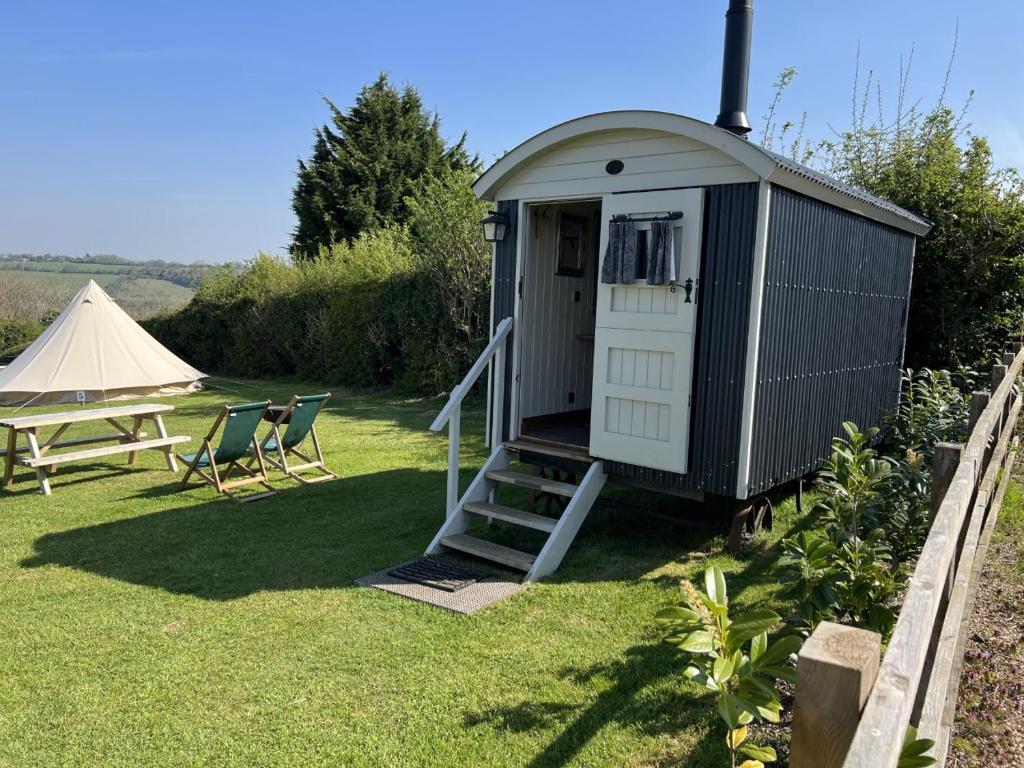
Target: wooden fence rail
point(851, 711)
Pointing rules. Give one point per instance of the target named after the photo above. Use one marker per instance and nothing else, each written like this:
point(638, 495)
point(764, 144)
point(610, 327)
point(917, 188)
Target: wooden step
point(511, 515)
point(545, 448)
point(533, 482)
point(513, 558)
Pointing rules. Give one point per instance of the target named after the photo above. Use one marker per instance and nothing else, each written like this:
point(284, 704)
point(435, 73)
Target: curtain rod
point(672, 216)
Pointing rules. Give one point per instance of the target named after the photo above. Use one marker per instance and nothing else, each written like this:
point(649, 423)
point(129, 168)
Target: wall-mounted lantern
point(495, 227)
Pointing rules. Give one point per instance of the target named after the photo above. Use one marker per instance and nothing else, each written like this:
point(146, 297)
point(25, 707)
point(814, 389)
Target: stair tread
point(488, 550)
point(534, 482)
point(511, 515)
point(546, 448)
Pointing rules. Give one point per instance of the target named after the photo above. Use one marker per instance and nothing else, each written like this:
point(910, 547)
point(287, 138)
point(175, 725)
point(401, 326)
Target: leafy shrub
point(809, 578)
point(846, 573)
point(732, 658)
point(397, 305)
point(912, 755)
point(965, 304)
point(933, 408)
point(17, 334)
point(906, 505)
point(874, 509)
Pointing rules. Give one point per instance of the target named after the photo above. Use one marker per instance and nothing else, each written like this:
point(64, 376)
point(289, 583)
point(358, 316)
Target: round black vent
point(614, 167)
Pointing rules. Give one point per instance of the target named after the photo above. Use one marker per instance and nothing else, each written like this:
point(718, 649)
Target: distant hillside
point(143, 289)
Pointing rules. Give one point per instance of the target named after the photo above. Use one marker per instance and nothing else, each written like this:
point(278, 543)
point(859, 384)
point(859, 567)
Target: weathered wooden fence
point(853, 711)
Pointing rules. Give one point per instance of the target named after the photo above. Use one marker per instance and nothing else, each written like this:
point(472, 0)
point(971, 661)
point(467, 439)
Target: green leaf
point(764, 754)
point(722, 668)
point(729, 711)
point(779, 651)
point(747, 625)
point(915, 762)
point(677, 613)
point(714, 581)
point(772, 711)
point(756, 691)
point(758, 646)
point(696, 642)
point(734, 711)
point(913, 753)
point(779, 673)
point(720, 611)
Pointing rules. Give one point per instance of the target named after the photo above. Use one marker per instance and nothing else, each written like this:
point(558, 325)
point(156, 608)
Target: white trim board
point(490, 366)
point(753, 339)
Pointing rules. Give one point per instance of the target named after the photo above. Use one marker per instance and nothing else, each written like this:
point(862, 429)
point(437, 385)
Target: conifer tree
point(366, 162)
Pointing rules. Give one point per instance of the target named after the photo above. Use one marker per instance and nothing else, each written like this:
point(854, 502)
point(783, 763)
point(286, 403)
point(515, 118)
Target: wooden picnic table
point(127, 440)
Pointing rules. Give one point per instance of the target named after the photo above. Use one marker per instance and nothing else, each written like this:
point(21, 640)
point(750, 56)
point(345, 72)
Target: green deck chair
point(298, 417)
point(237, 441)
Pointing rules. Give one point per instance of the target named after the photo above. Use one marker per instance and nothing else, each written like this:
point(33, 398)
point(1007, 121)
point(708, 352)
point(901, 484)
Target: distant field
point(70, 280)
point(58, 266)
point(145, 296)
point(141, 297)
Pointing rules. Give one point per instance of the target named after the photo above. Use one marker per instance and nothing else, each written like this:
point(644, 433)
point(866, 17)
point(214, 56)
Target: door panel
point(643, 344)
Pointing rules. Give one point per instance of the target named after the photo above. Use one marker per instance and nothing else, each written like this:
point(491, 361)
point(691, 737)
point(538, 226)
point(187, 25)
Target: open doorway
point(558, 317)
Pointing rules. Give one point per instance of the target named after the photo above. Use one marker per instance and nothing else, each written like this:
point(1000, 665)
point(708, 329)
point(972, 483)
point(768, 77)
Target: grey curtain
point(660, 262)
point(620, 257)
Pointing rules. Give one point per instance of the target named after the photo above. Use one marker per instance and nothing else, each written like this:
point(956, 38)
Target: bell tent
point(94, 351)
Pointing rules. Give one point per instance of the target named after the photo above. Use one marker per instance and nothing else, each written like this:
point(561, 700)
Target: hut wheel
point(550, 499)
point(763, 516)
point(749, 518)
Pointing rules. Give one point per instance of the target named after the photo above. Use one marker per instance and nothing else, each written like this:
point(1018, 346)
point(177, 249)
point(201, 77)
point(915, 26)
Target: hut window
point(642, 240)
point(628, 257)
point(570, 244)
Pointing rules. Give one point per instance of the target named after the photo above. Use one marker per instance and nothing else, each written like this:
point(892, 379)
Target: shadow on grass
point(635, 694)
point(321, 536)
point(26, 484)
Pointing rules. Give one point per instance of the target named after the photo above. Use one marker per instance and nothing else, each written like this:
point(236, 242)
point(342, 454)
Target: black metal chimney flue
point(739, 21)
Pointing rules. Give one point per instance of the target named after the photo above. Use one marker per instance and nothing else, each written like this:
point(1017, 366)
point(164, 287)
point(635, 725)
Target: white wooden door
point(643, 343)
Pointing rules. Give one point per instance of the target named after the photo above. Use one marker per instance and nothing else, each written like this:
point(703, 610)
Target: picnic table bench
point(127, 440)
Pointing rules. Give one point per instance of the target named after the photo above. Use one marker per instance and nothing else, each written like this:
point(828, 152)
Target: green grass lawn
point(142, 626)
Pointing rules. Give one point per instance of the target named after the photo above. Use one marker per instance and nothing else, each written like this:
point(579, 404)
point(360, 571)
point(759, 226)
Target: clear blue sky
point(171, 129)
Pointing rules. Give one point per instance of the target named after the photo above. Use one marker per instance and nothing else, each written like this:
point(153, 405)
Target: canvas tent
point(94, 351)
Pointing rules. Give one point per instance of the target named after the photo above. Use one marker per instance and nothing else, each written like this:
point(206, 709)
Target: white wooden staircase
point(479, 500)
point(476, 502)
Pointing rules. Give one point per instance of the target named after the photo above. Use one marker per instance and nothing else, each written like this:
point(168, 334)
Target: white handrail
point(451, 414)
point(459, 392)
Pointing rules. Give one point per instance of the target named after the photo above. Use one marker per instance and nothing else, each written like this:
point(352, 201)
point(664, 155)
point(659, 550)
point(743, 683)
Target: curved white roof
point(763, 163)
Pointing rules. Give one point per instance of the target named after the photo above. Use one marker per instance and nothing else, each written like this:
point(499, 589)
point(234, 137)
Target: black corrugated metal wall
point(504, 294)
point(832, 332)
point(730, 222)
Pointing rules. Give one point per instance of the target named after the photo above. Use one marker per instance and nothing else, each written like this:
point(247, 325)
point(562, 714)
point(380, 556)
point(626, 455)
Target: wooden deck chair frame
point(277, 454)
point(220, 480)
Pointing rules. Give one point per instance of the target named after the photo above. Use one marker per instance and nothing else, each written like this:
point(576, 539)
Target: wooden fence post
point(998, 374)
point(834, 675)
point(945, 460)
point(1008, 358)
point(978, 402)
